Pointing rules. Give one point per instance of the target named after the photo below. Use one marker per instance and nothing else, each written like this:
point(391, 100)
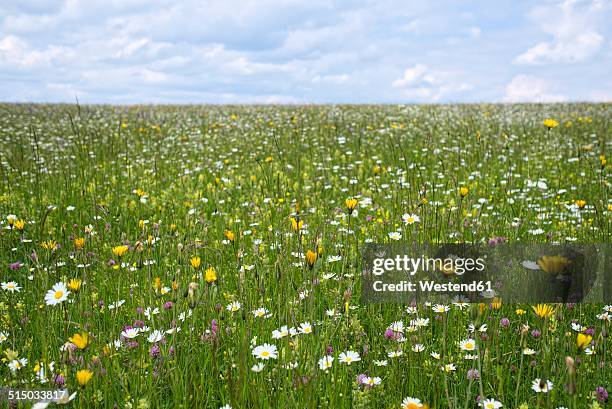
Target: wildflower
point(410, 218)
point(130, 333)
point(80, 340)
point(311, 258)
point(155, 336)
point(79, 243)
point(473, 374)
point(449, 368)
point(491, 404)
point(554, 264)
point(583, 340)
point(412, 403)
point(58, 294)
point(19, 224)
point(16, 364)
point(296, 224)
point(50, 245)
point(233, 306)
point(468, 344)
point(195, 262)
point(543, 310)
point(119, 251)
point(349, 357)
point(351, 204)
point(394, 235)
point(261, 313)
point(541, 386)
point(229, 235)
point(463, 191)
point(83, 376)
point(74, 284)
point(265, 351)
point(11, 286)
point(326, 362)
point(581, 203)
point(550, 123)
point(371, 381)
point(439, 308)
point(305, 328)
point(258, 367)
point(210, 275)
point(601, 394)
point(603, 161)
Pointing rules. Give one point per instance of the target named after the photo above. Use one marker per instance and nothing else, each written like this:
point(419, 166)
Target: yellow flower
point(603, 161)
point(550, 123)
point(120, 250)
point(19, 224)
point(496, 304)
point(543, 310)
point(49, 245)
point(351, 204)
point(229, 235)
point(519, 311)
point(554, 264)
point(581, 203)
point(210, 276)
point(74, 284)
point(583, 340)
point(80, 340)
point(376, 169)
point(195, 261)
point(83, 376)
point(463, 191)
point(610, 207)
point(296, 225)
point(157, 283)
point(311, 258)
point(79, 243)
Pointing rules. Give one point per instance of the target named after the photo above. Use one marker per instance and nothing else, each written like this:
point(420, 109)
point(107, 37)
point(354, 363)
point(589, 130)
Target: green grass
point(169, 181)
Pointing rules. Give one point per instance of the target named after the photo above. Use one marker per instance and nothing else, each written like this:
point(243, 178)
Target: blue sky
point(305, 51)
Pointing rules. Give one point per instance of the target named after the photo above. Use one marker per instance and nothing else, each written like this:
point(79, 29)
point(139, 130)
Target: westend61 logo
point(481, 273)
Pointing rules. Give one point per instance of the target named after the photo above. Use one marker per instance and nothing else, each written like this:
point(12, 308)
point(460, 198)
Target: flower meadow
point(209, 256)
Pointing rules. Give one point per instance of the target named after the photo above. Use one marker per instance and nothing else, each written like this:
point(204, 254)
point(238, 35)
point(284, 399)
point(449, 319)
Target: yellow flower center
point(58, 294)
point(265, 353)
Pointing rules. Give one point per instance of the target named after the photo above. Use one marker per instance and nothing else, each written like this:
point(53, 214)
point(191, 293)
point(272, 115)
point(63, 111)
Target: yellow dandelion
point(119, 251)
point(83, 376)
point(543, 310)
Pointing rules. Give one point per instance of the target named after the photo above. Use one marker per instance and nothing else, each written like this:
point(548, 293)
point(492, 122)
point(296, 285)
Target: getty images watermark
point(530, 273)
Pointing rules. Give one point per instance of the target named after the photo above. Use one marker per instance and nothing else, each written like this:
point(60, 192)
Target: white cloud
point(412, 76)
point(420, 83)
point(526, 88)
point(573, 27)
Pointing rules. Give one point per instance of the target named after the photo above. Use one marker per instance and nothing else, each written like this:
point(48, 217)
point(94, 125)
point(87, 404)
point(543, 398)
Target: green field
point(211, 255)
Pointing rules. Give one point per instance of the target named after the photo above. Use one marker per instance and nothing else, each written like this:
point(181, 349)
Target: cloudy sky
point(310, 51)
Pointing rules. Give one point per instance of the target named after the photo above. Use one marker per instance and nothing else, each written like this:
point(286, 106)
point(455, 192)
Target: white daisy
point(233, 306)
point(326, 362)
point(349, 357)
point(58, 294)
point(130, 333)
point(305, 328)
point(410, 218)
point(265, 351)
point(491, 404)
point(10, 286)
point(468, 344)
